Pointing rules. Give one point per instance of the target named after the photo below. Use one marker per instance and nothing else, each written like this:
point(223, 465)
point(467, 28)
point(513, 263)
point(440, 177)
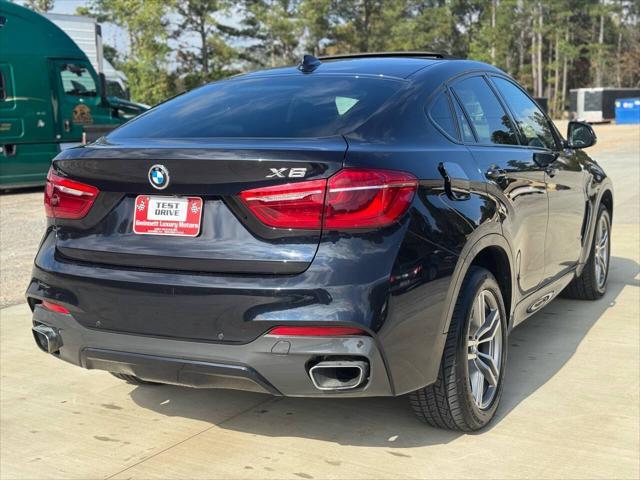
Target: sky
point(112, 34)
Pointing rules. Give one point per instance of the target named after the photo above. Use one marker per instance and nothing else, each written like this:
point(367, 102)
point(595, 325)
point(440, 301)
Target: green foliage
point(315, 18)
point(112, 55)
point(429, 26)
point(364, 25)
point(147, 60)
point(550, 46)
point(208, 57)
point(40, 6)
point(273, 29)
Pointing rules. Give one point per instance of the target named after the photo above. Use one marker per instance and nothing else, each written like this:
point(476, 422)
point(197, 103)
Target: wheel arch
point(607, 200)
point(495, 259)
point(491, 251)
point(604, 197)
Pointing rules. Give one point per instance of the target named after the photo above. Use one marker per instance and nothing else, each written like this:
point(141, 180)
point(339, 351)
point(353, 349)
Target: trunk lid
point(231, 239)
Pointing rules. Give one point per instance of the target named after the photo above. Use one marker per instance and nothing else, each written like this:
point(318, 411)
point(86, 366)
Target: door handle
point(67, 125)
point(495, 173)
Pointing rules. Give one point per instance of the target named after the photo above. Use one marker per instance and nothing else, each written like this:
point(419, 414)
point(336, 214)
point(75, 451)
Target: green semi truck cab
point(49, 92)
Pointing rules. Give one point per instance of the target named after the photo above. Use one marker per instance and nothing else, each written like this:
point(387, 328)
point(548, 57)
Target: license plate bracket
point(169, 216)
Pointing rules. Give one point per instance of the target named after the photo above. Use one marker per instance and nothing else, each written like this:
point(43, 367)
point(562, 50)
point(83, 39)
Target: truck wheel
point(467, 391)
point(592, 282)
point(132, 379)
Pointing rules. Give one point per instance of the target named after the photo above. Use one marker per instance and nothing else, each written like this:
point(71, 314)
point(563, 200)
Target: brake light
point(353, 198)
point(317, 331)
point(54, 307)
point(65, 198)
point(359, 198)
point(294, 205)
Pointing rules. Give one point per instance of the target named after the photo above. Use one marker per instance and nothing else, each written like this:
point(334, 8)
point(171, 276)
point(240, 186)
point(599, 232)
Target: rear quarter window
point(440, 113)
point(467, 133)
point(288, 106)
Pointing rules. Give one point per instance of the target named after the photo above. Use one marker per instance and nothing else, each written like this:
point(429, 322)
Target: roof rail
point(444, 56)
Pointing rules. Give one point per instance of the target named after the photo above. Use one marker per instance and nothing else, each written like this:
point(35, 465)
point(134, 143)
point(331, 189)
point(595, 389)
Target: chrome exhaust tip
point(47, 339)
point(339, 374)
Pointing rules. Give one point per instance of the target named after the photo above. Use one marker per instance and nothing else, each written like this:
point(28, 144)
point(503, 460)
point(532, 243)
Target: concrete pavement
point(571, 405)
point(570, 409)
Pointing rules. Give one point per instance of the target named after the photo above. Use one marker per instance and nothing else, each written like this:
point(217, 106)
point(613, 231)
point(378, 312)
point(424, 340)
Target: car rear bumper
point(224, 320)
point(278, 365)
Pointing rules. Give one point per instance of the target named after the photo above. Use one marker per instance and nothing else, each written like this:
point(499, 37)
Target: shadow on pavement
point(539, 348)
point(21, 190)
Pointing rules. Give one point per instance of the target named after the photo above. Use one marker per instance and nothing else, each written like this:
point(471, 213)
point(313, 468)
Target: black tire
point(586, 286)
point(132, 379)
point(449, 403)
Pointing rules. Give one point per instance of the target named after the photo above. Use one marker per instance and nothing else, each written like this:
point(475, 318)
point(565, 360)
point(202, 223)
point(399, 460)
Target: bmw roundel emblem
point(159, 177)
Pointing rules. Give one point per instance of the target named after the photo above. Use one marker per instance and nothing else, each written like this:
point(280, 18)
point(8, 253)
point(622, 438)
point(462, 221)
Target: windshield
point(266, 107)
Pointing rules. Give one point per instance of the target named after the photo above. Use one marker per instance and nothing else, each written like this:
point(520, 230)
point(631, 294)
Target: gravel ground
point(22, 219)
point(22, 223)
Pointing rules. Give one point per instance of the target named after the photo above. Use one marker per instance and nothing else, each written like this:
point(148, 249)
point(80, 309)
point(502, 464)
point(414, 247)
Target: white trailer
point(597, 105)
point(87, 34)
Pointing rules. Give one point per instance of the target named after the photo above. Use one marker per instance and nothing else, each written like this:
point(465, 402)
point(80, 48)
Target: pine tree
point(147, 60)
point(550, 46)
point(209, 57)
point(274, 30)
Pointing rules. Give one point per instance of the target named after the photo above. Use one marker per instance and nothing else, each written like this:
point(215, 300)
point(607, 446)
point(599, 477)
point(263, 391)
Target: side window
point(440, 112)
point(467, 133)
point(489, 120)
point(77, 80)
point(532, 122)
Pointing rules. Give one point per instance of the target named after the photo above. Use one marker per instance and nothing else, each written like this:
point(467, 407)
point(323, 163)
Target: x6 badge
point(282, 172)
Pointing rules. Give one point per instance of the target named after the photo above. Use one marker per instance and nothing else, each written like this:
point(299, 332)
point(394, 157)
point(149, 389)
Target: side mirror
point(580, 135)
point(544, 159)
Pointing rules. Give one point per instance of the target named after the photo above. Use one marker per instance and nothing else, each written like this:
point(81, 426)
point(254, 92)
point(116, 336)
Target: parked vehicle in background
point(87, 34)
point(48, 92)
point(597, 105)
point(365, 225)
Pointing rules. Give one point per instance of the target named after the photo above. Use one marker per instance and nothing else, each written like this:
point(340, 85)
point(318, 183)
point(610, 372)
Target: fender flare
point(469, 253)
point(605, 186)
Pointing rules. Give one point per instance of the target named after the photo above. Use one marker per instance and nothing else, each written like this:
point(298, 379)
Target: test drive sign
point(176, 216)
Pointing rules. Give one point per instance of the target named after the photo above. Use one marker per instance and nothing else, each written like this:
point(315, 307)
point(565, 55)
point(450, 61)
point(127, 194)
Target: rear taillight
point(353, 198)
point(294, 205)
point(359, 198)
point(65, 198)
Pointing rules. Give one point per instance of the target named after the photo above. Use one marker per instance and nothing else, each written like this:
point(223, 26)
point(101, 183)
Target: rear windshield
point(266, 107)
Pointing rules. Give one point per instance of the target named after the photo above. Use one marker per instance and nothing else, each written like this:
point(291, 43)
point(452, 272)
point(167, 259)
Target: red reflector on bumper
point(317, 331)
point(54, 307)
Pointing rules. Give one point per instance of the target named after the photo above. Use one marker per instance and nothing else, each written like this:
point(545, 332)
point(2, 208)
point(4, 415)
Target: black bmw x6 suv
point(362, 225)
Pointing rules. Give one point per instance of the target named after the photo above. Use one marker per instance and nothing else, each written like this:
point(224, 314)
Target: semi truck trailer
point(49, 92)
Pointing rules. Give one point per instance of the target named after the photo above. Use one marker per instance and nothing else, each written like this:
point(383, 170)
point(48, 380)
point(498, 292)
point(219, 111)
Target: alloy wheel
point(601, 254)
point(484, 348)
